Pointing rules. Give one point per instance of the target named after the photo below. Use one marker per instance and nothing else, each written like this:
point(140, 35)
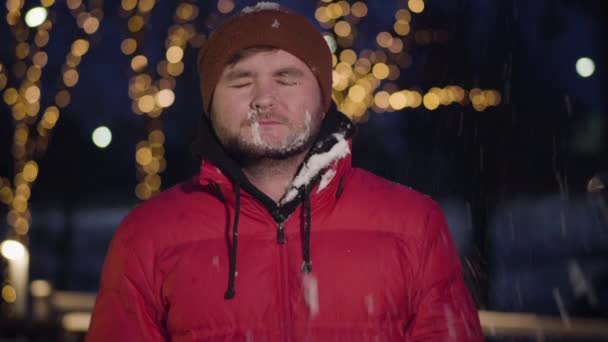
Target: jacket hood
point(332, 144)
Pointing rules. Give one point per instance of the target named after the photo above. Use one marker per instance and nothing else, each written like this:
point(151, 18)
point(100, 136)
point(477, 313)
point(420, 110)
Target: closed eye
point(240, 85)
point(288, 82)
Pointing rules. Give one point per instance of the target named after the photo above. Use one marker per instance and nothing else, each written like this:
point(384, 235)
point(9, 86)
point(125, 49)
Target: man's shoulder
point(177, 206)
point(390, 205)
point(385, 191)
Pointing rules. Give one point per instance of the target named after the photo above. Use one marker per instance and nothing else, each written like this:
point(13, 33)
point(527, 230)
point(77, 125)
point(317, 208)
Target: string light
point(31, 136)
point(150, 95)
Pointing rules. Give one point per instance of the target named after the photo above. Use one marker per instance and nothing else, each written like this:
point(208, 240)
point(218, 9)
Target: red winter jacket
point(384, 267)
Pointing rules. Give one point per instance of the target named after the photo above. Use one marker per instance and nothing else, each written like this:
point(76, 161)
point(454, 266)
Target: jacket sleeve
point(126, 308)
point(444, 309)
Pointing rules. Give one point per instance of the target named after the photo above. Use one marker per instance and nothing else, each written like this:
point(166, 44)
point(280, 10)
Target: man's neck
point(272, 176)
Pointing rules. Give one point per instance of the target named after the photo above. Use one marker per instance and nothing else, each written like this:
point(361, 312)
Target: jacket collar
point(321, 172)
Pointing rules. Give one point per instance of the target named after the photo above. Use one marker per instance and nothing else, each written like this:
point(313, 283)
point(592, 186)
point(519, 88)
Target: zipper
point(281, 233)
point(286, 316)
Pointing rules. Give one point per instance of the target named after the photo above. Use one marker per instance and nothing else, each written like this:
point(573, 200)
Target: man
point(279, 238)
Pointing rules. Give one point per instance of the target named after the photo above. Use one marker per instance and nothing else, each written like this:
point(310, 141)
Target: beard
point(248, 150)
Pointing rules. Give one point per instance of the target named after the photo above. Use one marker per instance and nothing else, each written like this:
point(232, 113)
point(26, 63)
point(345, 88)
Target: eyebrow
point(236, 74)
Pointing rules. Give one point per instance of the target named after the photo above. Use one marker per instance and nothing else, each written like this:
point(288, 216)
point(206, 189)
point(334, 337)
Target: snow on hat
point(265, 25)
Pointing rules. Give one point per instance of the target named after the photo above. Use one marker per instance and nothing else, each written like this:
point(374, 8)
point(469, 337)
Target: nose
point(264, 98)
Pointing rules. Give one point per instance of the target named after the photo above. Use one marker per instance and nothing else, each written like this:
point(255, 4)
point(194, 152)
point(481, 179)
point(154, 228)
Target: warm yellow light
point(322, 15)
point(335, 11)
point(19, 204)
point(10, 96)
point(225, 6)
point(40, 288)
point(62, 99)
point(174, 54)
point(186, 11)
point(90, 25)
point(145, 5)
point(380, 71)
point(3, 81)
point(384, 39)
point(431, 101)
point(70, 77)
point(164, 98)
point(416, 6)
point(80, 47)
point(401, 27)
point(381, 99)
point(143, 191)
point(128, 46)
point(143, 156)
point(32, 94)
point(156, 138)
point(416, 99)
point(139, 63)
point(30, 171)
point(13, 250)
point(22, 50)
point(356, 93)
point(35, 16)
point(73, 4)
point(146, 103)
point(342, 28)
point(6, 195)
point(153, 181)
point(9, 294)
point(102, 137)
point(33, 74)
point(345, 7)
point(136, 23)
point(403, 15)
point(397, 100)
point(21, 226)
point(175, 69)
point(128, 5)
point(348, 56)
point(362, 66)
point(47, 3)
point(50, 117)
point(359, 9)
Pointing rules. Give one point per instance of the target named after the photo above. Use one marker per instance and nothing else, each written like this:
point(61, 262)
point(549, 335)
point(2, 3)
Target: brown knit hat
point(265, 25)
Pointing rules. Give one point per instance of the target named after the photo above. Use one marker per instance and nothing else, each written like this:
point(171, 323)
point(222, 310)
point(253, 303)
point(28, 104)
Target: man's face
point(267, 105)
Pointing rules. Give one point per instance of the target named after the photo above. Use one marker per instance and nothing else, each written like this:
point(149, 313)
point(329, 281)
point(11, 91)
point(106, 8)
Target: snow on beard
point(290, 145)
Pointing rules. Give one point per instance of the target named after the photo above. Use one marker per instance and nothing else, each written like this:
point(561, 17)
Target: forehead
point(267, 60)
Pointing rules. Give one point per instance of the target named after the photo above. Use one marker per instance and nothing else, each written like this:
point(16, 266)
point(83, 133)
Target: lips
point(269, 122)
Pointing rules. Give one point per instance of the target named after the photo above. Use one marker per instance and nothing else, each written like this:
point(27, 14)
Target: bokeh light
point(102, 137)
point(35, 16)
point(585, 67)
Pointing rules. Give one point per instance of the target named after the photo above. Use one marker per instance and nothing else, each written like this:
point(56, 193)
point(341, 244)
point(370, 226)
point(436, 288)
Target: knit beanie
point(265, 25)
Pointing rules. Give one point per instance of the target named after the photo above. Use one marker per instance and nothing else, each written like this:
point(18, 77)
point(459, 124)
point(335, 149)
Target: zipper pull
point(281, 233)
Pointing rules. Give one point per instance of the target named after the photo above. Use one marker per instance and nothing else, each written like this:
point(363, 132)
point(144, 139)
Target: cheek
point(230, 108)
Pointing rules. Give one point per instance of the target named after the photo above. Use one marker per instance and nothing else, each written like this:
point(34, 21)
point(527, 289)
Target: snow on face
point(290, 143)
point(262, 6)
point(315, 164)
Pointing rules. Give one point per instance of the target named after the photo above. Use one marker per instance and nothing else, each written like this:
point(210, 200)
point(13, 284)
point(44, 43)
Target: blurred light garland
point(364, 80)
point(31, 143)
point(151, 96)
